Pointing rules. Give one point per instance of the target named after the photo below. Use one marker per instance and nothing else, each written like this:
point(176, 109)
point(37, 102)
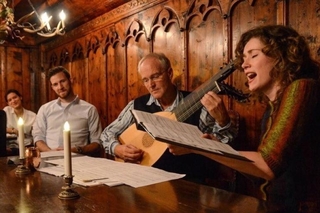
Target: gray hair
point(163, 60)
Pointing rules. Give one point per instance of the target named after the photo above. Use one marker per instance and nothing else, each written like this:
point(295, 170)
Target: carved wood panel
point(16, 74)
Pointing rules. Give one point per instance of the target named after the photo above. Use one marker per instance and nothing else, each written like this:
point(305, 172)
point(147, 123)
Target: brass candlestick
point(67, 192)
point(22, 169)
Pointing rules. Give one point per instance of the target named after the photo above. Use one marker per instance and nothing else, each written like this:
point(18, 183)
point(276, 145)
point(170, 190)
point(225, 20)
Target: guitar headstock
point(232, 92)
point(225, 72)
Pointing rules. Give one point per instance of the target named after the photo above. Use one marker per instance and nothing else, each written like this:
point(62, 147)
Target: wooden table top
point(38, 192)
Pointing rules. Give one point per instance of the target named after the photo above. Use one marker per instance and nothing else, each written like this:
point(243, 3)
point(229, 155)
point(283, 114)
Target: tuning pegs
point(232, 92)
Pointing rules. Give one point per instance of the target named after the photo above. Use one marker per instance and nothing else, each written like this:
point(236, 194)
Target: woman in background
point(277, 63)
point(14, 111)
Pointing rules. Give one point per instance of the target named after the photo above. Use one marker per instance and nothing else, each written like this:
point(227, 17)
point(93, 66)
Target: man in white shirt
point(83, 118)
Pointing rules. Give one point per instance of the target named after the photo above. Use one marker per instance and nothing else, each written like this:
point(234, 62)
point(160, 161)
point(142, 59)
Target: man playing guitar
point(156, 74)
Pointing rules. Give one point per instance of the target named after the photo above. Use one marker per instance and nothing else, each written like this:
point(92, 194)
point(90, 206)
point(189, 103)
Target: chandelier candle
point(67, 150)
point(21, 138)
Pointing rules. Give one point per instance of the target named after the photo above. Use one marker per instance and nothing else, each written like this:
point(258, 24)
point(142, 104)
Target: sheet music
point(90, 171)
point(171, 131)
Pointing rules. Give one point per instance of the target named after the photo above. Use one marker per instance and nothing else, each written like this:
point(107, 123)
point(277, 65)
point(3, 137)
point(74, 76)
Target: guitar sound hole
point(147, 140)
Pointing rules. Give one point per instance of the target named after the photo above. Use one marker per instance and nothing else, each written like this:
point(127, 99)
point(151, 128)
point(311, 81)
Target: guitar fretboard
point(191, 103)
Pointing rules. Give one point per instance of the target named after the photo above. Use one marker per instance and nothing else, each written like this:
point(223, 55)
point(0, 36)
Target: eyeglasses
point(154, 77)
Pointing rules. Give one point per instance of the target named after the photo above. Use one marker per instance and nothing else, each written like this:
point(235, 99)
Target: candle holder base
point(22, 170)
point(67, 192)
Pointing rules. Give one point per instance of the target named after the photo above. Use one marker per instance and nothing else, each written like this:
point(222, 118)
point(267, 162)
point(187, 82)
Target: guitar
point(154, 149)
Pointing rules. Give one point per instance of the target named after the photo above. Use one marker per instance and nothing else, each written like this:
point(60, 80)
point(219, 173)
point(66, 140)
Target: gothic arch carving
point(164, 18)
point(64, 56)
point(135, 30)
point(202, 10)
point(77, 52)
point(112, 39)
point(251, 2)
point(53, 60)
point(93, 44)
point(233, 3)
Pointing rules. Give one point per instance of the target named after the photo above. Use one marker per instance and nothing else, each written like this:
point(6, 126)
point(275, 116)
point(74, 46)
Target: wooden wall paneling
point(116, 76)
point(64, 56)
point(34, 58)
point(166, 37)
point(79, 78)
point(3, 76)
point(14, 69)
point(282, 12)
point(33, 88)
point(43, 88)
point(79, 71)
point(26, 79)
point(41, 83)
point(18, 73)
point(97, 77)
point(53, 61)
point(205, 51)
point(304, 16)
point(136, 46)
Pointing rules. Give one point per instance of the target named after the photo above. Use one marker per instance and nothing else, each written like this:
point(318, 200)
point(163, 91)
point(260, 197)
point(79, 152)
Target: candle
point(62, 16)
point(46, 19)
point(67, 150)
point(21, 138)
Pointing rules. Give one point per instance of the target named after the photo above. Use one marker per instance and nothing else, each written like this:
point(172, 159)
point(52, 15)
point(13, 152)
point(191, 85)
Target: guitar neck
point(191, 103)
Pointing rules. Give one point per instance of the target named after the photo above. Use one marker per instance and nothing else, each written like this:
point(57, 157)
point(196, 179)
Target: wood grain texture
point(38, 193)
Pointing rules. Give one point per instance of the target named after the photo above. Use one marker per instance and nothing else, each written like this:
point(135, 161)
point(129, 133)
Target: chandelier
point(10, 30)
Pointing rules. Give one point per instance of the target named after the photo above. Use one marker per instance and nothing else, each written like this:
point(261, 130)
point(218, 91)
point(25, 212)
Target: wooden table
point(38, 192)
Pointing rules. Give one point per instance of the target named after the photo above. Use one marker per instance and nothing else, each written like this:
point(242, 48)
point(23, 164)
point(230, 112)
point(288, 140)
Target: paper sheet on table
point(53, 170)
point(53, 154)
point(113, 172)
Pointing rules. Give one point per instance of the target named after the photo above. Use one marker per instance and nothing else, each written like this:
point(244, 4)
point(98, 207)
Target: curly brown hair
point(289, 49)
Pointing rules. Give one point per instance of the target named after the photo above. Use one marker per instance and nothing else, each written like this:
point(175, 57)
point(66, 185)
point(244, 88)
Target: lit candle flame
point(66, 126)
point(46, 19)
point(20, 121)
point(62, 16)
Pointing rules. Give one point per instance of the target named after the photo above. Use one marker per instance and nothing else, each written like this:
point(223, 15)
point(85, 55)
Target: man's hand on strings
point(129, 153)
